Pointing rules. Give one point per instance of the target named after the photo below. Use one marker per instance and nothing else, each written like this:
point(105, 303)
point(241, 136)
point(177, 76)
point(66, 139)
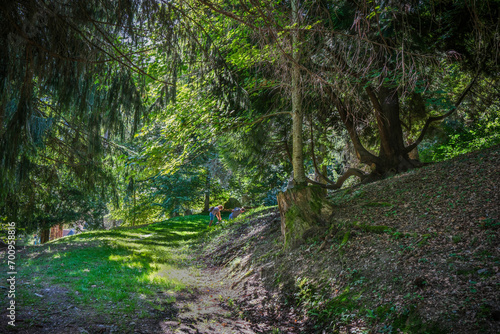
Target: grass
point(119, 271)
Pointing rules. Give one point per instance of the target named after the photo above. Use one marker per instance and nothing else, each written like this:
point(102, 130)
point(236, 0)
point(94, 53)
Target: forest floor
point(415, 253)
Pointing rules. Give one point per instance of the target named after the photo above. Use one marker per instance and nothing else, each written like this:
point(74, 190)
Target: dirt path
point(209, 307)
point(205, 306)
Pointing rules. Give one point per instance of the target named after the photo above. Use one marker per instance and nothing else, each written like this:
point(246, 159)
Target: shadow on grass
point(126, 268)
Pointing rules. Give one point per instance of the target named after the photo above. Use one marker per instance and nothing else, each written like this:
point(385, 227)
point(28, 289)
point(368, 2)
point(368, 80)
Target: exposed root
point(340, 181)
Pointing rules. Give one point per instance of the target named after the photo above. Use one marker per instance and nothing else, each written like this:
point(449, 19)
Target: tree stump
point(302, 209)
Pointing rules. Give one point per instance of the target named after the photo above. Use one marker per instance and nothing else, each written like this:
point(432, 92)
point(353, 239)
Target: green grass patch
point(117, 271)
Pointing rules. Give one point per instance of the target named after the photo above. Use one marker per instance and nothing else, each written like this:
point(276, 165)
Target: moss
point(371, 228)
point(378, 204)
point(317, 199)
point(301, 217)
point(376, 228)
point(295, 225)
point(316, 206)
point(291, 215)
point(345, 238)
point(300, 186)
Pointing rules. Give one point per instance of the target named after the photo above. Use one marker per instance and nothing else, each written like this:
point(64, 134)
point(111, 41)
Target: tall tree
point(67, 86)
point(74, 79)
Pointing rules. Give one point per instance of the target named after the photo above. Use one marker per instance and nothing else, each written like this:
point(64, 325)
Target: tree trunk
point(45, 236)
point(297, 112)
point(206, 205)
point(133, 223)
point(302, 209)
point(393, 156)
point(389, 100)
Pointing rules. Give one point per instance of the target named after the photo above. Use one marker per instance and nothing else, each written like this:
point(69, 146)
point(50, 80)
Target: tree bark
point(133, 223)
point(302, 209)
point(389, 99)
point(297, 112)
point(45, 236)
point(206, 205)
point(340, 181)
point(393, 155)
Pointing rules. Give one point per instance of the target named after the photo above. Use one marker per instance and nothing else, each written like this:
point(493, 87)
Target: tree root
point(340, 181)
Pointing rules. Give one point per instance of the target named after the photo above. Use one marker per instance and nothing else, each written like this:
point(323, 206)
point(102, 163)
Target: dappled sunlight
point(162, 277)
point(124, 267)
point(130, 261)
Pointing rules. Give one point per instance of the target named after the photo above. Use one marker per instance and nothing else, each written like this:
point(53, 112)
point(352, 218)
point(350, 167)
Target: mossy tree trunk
point(302, 209)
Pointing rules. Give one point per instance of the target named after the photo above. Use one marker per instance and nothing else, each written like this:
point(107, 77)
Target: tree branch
point(260, 119)
point(439, 118)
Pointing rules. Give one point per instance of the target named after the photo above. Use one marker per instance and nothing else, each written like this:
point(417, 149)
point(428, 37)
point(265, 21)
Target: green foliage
point(232, 203)
point(327, 310)
point(79, 78)
point(461, 139)
point(178, 191)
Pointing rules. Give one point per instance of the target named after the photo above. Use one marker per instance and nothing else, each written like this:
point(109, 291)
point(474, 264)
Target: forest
point(126, 114)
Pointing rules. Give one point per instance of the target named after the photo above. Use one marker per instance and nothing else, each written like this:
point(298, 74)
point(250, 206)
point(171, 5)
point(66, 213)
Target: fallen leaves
point(444, 234)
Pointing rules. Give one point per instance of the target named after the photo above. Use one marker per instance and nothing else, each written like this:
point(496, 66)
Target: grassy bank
point(125, 273)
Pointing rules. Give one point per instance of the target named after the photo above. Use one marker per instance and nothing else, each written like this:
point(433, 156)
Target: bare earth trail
point(200, 308)
point(205, 309)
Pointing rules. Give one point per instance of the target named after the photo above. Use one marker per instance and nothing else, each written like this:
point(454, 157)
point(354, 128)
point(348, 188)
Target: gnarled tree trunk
point(393, 155)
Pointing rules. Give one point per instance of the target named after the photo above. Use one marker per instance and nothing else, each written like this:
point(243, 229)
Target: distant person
point(215, 213)
point(236, 212)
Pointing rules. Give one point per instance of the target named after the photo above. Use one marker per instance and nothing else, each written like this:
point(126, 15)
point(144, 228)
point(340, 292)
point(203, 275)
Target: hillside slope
point(416, 253)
